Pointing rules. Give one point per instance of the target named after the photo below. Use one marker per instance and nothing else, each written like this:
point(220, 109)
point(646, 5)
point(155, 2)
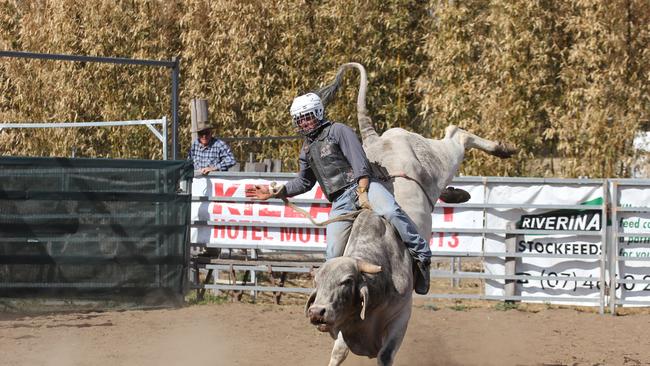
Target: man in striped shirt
point(208, 153)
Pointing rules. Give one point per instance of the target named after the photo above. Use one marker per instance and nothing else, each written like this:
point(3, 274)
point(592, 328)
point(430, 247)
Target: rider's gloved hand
point(264, 192)
point(364, 202)
point(278, 190)
point(259, 191)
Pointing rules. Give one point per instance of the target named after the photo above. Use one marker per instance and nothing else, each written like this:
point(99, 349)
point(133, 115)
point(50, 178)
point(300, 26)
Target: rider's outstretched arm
point(300, 184)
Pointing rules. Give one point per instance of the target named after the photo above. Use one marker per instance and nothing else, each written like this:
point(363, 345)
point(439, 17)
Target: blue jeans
point(383, 204)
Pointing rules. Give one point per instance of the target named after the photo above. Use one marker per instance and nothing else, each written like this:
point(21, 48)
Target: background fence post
point(175, 81)
point(604, 247)
point(613, 257)
point(510, 262)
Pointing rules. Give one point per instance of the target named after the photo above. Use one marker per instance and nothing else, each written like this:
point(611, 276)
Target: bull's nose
point(316, 313)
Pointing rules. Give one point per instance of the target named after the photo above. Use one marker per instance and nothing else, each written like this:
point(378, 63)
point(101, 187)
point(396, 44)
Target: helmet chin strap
point(313, 133)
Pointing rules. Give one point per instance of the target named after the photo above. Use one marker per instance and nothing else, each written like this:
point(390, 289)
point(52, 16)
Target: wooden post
point(267, 164)
point(510, 263)
point(459, 268)
point(254, 167)
point(254, 275)
point(277, 165)
point(199, 113)
point(452, 269)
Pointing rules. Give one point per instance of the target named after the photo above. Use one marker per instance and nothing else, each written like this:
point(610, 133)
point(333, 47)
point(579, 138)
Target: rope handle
point(276, 189)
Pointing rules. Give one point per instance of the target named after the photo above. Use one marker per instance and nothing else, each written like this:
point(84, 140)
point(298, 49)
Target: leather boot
point(421, 276)
point(454, 195)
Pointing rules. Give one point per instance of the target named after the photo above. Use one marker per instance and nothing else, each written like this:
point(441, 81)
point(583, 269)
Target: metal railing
point(599, 263)
point(512, 233)
point(160, 135)
point(173, 65)
point(619, 263)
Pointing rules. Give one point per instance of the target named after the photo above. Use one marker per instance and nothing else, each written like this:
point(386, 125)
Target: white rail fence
point(160, 135)
point(537, 240)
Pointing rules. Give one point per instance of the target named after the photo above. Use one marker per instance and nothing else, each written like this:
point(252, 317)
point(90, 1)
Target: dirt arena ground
point(268, 334)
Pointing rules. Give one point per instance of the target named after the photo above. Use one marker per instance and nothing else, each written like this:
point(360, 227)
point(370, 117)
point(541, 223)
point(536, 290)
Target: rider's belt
point(338, 193)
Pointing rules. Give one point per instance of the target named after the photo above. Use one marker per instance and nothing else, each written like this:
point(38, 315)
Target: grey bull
point(363, 299)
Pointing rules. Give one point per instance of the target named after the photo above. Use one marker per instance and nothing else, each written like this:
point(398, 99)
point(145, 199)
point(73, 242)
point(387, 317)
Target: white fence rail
point(539, 240)
point(160, 135)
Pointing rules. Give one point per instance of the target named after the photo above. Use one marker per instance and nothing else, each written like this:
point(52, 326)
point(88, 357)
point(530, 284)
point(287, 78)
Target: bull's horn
point(310, 301)
point(366, 267)
point(363, 291)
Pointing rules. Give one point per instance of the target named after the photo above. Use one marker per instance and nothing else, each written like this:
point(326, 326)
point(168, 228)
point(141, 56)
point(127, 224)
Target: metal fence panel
point(558, 226)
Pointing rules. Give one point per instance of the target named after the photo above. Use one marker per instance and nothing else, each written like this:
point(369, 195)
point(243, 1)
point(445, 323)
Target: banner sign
point(255, 223)
point(567, 221)
point(223, 217)
point(458, 218)
point(257, 215)
point(634, 248)
point(555, 269)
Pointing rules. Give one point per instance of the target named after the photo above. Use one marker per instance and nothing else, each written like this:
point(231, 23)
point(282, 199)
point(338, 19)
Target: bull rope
point(350, 216)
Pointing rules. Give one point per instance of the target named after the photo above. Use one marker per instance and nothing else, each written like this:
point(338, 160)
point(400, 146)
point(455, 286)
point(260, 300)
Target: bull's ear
point(363, 292)
point(310, 301)
point(366, 267)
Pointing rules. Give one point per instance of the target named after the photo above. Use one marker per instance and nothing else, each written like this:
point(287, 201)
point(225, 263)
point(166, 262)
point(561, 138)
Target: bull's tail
point(368, 133)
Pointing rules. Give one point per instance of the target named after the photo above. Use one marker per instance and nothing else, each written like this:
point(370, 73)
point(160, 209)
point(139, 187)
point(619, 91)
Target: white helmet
point(308, 104)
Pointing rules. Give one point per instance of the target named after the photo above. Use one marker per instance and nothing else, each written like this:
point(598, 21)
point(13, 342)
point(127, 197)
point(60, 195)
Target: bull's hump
point(374, 240)
point(396, 132)
point(367, 230)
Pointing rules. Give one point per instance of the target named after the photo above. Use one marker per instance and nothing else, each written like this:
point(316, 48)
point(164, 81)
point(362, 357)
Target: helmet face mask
point(306, 123)
point(307, 112)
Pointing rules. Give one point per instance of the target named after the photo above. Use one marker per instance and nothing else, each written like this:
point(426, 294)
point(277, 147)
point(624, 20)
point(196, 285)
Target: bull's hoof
point(454, 195)
point(422, 277)
point(504, 150)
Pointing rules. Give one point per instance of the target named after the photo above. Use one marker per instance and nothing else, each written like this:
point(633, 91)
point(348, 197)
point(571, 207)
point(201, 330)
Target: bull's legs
point(470, 140)
point(394, 336)
point(339, 352)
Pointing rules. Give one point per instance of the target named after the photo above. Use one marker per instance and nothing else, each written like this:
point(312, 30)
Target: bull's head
point(341, 293)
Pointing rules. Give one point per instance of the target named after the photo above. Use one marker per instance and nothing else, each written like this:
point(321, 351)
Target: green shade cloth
point(94, 229)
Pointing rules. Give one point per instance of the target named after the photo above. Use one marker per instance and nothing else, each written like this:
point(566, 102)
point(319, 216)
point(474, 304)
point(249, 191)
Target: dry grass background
point(566, 81)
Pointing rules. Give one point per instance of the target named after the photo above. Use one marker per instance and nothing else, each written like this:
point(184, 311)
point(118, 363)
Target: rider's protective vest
point(332, 170)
